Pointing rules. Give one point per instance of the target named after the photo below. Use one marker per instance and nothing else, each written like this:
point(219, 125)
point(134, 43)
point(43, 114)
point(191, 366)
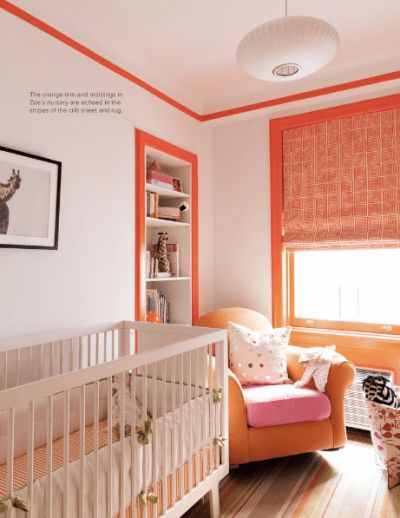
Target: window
point(348, 289)
point(335, 222)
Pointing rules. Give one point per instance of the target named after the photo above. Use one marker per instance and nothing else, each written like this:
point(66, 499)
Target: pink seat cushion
point(269, 405)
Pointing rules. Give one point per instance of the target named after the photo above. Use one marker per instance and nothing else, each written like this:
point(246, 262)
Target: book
point(152, 202)
point(160, 177)
point(148, 264)
point(164, 185)
point(157, 306)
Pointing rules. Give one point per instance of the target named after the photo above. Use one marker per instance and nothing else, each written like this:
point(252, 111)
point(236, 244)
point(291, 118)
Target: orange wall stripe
point(143, 140)
point(39, 24)
point(304, 95)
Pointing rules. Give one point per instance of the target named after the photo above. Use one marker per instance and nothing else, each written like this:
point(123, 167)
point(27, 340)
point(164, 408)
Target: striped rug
point(344, 483)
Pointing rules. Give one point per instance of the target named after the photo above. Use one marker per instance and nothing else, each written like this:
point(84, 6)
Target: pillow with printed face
point(258, 357)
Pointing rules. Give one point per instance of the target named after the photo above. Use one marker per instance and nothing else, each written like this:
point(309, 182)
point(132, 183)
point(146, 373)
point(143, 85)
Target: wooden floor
point(329, 484)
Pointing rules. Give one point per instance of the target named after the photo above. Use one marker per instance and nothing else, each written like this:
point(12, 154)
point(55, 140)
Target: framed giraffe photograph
point(29, 200)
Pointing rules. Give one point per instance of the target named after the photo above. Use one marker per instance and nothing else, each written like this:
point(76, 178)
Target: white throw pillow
point(258, 357)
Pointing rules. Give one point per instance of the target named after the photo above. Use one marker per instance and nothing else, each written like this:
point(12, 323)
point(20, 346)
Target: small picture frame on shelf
point(177, 184)
point(29, 200)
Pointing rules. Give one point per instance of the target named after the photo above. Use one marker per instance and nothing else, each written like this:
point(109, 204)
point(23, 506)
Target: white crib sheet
point(173, 442)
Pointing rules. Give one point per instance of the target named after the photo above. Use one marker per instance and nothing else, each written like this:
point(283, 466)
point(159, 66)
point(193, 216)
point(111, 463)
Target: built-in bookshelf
point(173, 295)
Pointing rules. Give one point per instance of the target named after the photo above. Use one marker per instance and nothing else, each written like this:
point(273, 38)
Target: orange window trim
point(283, 262)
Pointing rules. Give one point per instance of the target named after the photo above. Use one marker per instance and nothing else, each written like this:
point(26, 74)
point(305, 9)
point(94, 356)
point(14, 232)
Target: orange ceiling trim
point(39, 24)
point(51, 31)
point(304, 95)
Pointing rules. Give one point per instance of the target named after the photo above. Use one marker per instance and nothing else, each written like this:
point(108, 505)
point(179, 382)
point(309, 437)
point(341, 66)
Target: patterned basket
point(385, 434)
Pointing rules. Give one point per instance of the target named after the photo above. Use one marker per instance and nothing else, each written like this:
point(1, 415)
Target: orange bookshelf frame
point(143, 140)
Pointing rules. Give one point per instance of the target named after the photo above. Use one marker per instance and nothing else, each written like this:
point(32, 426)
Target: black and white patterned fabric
point(379, 390)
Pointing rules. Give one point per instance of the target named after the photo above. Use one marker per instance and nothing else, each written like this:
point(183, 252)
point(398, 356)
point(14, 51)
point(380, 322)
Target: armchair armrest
point(238, 429)
point(341, 376)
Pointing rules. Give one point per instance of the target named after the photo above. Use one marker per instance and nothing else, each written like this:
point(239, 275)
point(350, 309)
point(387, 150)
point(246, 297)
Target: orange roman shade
point(341, 183)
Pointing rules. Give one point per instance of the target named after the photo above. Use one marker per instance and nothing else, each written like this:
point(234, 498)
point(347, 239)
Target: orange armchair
point(248, 444)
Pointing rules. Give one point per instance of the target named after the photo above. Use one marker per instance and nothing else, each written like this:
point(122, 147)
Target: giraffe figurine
point(7, 191)
point(163, 263)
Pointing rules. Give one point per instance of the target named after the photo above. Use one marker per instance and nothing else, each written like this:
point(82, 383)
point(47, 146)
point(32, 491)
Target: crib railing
point(129, 420)
point(54, 355)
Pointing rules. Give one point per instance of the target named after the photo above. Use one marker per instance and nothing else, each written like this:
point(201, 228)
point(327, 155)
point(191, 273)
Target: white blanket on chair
point(317, 362)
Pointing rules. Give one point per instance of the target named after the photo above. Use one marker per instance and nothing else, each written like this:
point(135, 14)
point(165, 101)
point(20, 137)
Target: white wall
point(90, 279)
point(242, 264)
point(242, 241)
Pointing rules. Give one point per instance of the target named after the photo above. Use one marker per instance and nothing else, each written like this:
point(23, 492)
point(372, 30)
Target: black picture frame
point(21, 168)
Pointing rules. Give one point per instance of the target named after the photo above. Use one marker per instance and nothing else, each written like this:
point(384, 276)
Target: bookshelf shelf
point(175, 298)
point(167, 193)
point(167, 279)
point(158, 222)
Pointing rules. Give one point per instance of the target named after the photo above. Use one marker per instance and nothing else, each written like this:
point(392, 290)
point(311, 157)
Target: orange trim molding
point(143, 140)
point(282, 263)
point(58, 35)
point(51, 31)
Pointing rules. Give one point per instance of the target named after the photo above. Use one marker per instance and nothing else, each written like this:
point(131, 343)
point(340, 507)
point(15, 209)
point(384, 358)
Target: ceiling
point(187, 48)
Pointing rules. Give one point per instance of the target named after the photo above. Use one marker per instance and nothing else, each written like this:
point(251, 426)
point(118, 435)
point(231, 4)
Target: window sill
point(349, 339)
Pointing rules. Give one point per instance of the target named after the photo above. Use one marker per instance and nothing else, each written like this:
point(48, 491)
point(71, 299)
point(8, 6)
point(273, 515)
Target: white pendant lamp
point(287, 48)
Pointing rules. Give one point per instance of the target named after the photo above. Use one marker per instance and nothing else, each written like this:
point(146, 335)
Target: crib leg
point(214, 502)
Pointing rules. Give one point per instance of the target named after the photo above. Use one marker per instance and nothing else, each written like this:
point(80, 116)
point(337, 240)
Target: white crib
point(127, 419)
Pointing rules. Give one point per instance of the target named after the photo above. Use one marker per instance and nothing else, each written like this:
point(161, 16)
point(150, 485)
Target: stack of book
point(157, 305)
point(160, 179)
point(152, 261)
point(151, 204)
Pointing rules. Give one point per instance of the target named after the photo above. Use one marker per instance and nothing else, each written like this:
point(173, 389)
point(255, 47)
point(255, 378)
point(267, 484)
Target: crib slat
point(113, 343)
point(105, 338)
point(10, 450)
point(122, 443)
point(198, 426)
point(217, 406)
point(206, 412)
point(97, 348)
point(49, 493)
point(66, 452)
point(133, 446)
point(51, 355)
point(110, 449)
point(61, 357)
point(96, 450)
point(18, 367)
point(30, 374)
point(173, 433)
point(164, 439)
point(212, 407)
point(82, 440)
point(155, 437)
point(5, 370)
point(41, 361)
point(31, 446)
point(144, 414)
point(181, 430)
point(80, 353)
point(88, 346)
point(222, 355)
point(71, 355)
point(190, 430)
